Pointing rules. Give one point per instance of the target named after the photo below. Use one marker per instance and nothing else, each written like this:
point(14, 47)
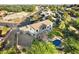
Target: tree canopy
point(41, 47)
point(71, 45)
point(18, 8)
point(66, 17)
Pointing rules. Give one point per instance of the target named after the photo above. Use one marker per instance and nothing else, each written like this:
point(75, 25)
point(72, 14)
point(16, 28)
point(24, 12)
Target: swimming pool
point(56, 42)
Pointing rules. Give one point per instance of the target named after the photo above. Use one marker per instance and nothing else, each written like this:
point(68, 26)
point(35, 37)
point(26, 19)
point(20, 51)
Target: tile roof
point(39, 24)
point(14, 18)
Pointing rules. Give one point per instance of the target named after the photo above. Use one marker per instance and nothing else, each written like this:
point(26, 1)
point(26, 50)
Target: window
point(33, 34)
point(47, 26)
point(43, 26)
point(36, 30)
point(50, 28)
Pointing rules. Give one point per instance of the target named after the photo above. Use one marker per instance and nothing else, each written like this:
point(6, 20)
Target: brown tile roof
point(38, 25)
point(47, 22)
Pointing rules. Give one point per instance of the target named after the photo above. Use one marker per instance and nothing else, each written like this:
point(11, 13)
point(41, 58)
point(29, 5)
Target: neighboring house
point(45, 14)
point(15, 16)
point(39, 27)
point(3, 13)
point(13, 19)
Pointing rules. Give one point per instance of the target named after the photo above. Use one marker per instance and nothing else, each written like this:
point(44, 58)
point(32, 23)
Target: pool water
point(57, 42)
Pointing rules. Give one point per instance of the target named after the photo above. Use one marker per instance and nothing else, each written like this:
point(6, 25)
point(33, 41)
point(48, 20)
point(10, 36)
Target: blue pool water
point(57, 42)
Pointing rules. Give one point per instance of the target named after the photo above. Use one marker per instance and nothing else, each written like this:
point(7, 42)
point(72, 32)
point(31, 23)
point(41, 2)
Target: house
point(15, 16)
point(3, 13)
point(39, 27)
point(13, 19)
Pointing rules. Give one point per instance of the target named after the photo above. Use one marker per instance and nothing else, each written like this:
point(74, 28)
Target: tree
point(77, 22)
point(28, 8)
point(18, 8)
point(6, 49)
point(53, 8)
point(67, 18)
point(9, 51)
point(41, 47)
point(71, 45)
point(55, 32)
point(62, 25)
